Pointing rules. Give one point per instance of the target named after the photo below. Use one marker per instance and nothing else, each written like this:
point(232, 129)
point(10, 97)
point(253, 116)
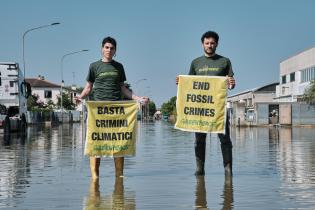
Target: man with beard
point(212, 64)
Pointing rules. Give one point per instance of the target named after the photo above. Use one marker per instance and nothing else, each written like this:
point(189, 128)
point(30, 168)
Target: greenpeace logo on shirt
point(206, 69)
point(108, 73)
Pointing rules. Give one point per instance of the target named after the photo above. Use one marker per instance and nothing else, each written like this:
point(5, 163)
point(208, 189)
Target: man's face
point(108, 51)
point(209, 46)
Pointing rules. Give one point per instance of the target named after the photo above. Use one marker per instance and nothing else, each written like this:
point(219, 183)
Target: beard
point(210, 51)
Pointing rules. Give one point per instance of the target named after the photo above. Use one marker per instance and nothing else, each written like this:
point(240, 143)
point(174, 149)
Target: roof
point(35, 82)
point(266, 88)
point(7, 63)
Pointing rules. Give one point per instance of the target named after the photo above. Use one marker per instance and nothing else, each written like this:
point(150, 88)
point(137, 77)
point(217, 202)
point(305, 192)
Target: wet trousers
point(226, 145)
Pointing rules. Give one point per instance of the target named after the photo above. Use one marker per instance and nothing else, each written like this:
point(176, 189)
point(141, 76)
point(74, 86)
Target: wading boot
point(119, 166)
point(200, 152)
point(228, 169)
point(95, 167)
point(200, 167)
point(226, 148)
point(227, 159)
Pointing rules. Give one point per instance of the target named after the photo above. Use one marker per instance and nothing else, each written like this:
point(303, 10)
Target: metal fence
point(53, 117)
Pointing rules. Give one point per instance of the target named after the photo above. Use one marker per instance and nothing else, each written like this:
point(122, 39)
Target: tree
point(309, 94)
point(50, 105)
point(169, 108)
point(34, 104)
point(66, 102)
point(80, 89)
point(152, 108)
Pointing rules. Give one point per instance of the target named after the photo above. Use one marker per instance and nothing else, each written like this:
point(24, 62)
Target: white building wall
point(55, 92)
point(300, 61)
point(290, 91)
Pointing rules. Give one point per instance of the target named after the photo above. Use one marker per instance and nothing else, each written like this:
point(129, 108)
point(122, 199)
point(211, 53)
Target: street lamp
point(32, 29)
point(147, 90)
point(140, 80)
point(62, 81)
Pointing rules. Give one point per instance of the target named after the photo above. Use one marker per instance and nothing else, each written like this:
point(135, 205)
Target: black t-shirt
point(107, 79)
point(216, 65)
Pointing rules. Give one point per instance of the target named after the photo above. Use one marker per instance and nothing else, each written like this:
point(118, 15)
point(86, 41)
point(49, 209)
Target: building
point(278, 103)
point(253, 107)
point(46, 91)
point(296, 72)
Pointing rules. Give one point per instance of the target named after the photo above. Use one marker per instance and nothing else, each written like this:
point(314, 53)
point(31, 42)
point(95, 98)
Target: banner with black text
point(111, 128)
point(201, 102)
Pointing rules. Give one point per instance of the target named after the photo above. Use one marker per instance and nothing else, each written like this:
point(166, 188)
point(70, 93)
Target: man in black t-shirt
point(212, 64)
point(107, 79)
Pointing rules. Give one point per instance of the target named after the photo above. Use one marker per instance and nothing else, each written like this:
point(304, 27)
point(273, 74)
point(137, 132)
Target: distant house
point(50, 91)
point(44, 89)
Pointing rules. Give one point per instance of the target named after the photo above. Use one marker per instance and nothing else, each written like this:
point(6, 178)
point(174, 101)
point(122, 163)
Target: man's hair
point(210, 34)
point(109, 40)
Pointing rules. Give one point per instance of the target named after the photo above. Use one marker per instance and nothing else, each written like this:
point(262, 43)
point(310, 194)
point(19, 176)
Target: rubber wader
point(119, 166)
point(95, 167)
point(200, 152)
point(226, 148)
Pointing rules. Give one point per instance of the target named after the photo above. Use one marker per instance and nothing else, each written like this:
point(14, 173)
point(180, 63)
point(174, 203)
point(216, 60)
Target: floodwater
point(274, 168)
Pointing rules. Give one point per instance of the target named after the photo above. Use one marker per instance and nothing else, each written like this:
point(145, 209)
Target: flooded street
point(274, 168)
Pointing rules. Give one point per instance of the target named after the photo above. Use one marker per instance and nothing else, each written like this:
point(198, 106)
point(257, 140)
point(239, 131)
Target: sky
point(157, 39)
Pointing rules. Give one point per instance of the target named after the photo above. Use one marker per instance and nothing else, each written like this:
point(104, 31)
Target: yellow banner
point(201, 104)
point(111, 128)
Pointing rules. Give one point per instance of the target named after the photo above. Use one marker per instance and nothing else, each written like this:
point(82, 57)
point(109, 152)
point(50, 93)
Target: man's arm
point(230, 74)
point(87, 89)
point(126, 92)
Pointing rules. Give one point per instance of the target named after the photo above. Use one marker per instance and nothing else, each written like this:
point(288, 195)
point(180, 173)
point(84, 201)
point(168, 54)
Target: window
point(284, 79)
point(47, 93)
point(292, 77)
point(250, 102)
point(0, 79)
point(11, 83)
point(308, 74)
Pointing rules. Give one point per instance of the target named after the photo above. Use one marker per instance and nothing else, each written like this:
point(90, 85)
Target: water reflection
point(296, 163)
point(14, 166)
point(295, 160)
point(274, 169)
point(119, 199)
point(273, 135)
point(24, 159)
point(201, 194)
point(228, 196)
